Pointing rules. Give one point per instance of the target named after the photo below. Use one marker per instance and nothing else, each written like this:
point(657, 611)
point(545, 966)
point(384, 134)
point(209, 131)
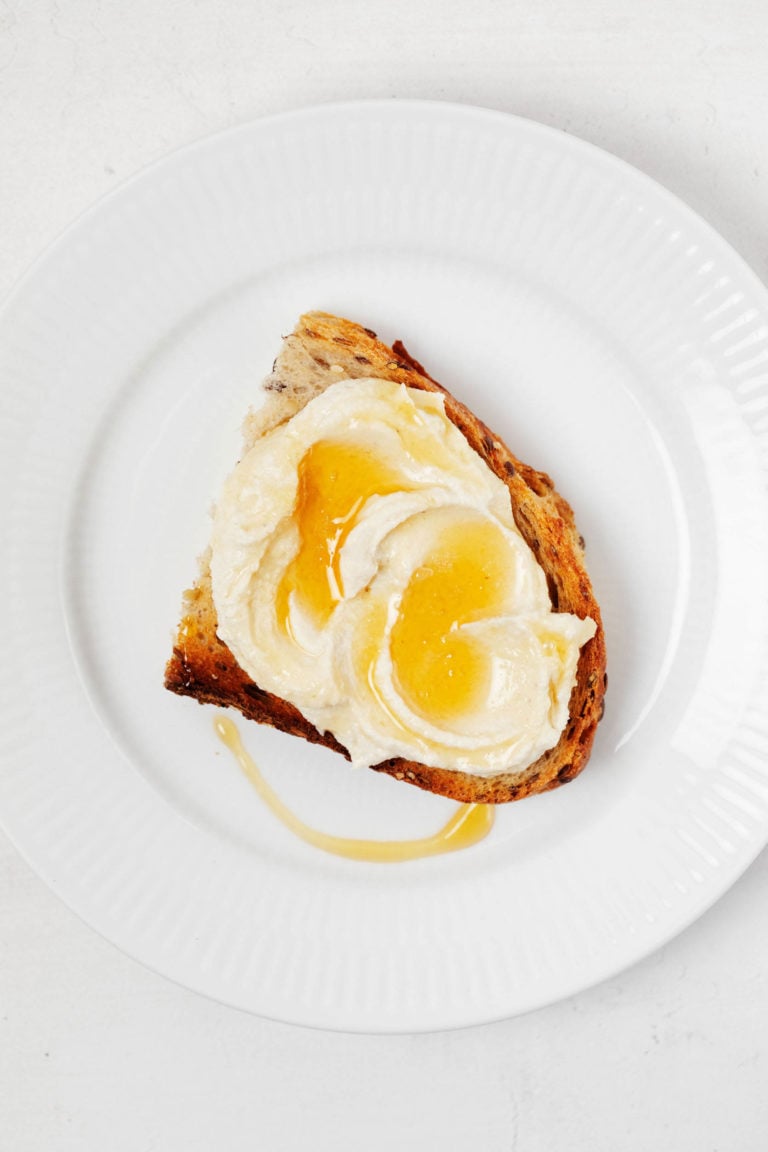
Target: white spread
point(366, 567)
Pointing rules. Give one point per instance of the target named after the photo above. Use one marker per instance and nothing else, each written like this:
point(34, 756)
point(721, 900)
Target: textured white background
point(95, 1052)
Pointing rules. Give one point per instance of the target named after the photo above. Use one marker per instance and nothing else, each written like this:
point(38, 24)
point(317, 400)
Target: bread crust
point(325, 348)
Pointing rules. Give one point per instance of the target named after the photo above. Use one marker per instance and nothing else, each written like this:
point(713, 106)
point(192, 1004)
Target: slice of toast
point(322, 350)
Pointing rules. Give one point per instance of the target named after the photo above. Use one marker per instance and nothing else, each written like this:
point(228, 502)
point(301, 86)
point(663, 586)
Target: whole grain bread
point(321, 350)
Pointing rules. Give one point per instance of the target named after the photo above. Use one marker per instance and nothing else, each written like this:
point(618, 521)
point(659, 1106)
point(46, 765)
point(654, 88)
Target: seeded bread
point(321, 350)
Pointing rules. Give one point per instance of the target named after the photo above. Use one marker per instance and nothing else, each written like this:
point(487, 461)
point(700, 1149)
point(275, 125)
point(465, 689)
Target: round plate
point(597, 325)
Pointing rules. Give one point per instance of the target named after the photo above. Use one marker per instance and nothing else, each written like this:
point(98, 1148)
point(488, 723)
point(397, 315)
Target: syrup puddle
point(469, 824)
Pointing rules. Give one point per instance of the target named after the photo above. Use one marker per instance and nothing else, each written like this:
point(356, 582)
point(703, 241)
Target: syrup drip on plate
point(469, 824)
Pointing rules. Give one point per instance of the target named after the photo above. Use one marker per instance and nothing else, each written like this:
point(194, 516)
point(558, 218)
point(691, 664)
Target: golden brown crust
point(203, 667)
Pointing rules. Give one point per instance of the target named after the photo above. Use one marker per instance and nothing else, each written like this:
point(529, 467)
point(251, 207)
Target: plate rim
point(381, 103)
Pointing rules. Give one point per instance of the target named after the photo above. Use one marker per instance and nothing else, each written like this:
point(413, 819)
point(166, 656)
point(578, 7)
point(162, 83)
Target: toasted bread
point(321, 350)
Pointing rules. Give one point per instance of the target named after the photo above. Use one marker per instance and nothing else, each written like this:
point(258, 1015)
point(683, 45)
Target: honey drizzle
point(335, 479)
point(440, 669)
point(469, 824)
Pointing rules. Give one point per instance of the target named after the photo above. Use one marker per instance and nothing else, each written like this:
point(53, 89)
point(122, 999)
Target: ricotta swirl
point(367, 568)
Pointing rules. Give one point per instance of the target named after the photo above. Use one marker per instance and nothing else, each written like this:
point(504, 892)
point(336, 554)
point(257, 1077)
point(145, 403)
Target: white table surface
point(97, 1053)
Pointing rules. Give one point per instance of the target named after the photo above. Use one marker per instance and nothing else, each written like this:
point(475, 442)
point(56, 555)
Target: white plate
point(596, 324)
